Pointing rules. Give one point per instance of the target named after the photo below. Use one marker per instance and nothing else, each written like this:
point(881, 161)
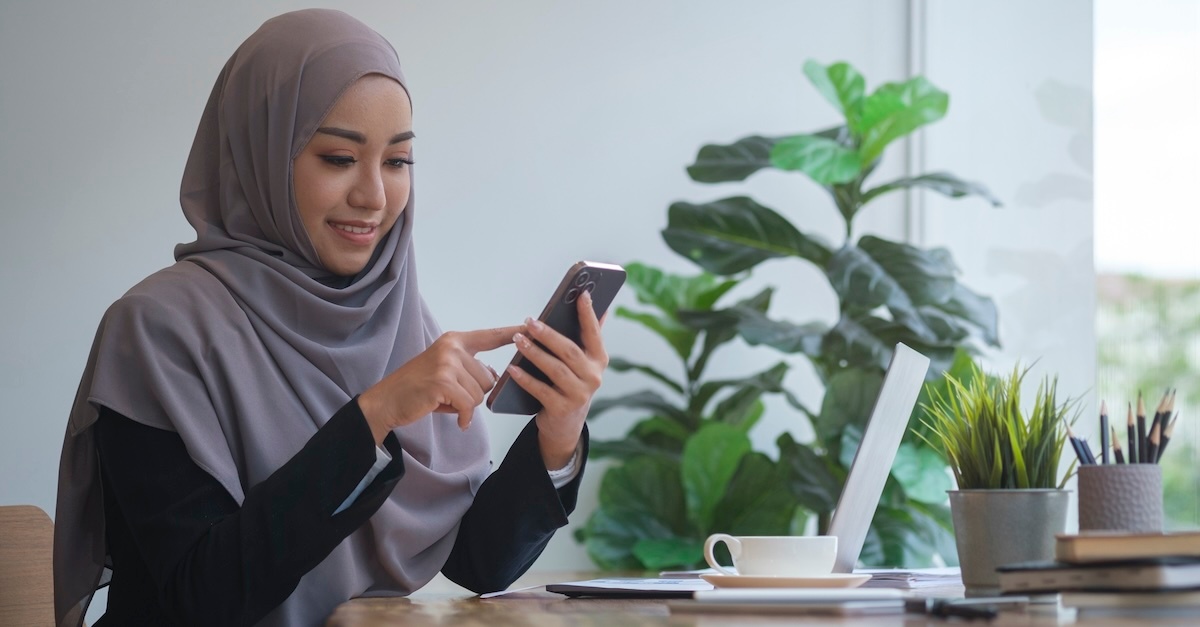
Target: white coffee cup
point(775, 556)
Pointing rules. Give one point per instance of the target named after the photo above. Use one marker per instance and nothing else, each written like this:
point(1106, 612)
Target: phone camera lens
point(572, 294)
point(581, 278)
point(589, 287)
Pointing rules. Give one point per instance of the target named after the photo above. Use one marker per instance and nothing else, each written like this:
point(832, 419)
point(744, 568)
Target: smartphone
point(603, 281)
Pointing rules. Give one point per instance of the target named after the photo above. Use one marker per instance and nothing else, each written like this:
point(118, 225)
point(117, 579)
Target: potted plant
point(887, 291)
point(1010, 500)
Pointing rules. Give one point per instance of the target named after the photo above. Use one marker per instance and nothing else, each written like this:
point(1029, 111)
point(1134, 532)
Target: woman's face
point(352, 179)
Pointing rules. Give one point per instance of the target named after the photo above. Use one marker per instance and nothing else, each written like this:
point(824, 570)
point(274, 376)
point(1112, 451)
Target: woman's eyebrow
point(359, 138)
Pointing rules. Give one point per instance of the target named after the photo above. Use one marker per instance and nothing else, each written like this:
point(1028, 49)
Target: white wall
point(1020, 79)
point(548, 132)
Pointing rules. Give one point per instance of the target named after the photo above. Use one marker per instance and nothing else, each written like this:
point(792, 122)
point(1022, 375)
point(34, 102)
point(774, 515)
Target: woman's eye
point(339, 161)
point(399, 162)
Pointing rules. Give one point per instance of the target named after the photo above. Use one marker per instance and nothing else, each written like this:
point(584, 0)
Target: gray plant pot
point(996, 527)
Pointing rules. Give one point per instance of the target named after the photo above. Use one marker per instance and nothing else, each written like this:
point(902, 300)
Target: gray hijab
point(246, 345)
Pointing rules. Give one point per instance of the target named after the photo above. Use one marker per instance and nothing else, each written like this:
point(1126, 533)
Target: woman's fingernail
point(519, 339)
point(586, 296)
point(536, 325)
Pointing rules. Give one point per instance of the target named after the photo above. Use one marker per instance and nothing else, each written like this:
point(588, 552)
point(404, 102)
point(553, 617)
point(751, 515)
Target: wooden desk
point(442, 604)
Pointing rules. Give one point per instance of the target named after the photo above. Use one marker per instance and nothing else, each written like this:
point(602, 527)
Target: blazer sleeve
point(513, 517)
point(214, 562)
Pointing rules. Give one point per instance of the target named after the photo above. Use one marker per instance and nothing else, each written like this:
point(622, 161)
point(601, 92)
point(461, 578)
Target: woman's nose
point(368, 192)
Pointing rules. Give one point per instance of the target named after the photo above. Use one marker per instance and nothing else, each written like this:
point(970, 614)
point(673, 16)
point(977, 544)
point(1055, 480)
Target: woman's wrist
point(556, 454)
point(371, 414)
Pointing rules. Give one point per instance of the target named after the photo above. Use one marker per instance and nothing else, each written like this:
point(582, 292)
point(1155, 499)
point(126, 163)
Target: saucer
point(835, 580)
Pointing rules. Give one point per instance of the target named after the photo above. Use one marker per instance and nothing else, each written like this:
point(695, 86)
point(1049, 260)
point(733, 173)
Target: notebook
point(1105, 546)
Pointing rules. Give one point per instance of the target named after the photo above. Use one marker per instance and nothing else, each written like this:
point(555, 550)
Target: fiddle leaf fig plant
point(687, 468)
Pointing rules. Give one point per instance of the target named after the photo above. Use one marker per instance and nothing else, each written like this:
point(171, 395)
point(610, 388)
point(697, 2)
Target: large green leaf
point(746, 391)
point(941, 182)
point(867, 341)
point(723, 328)
point(720, 164)
point(710, 458)
point(757, 329)
point(640, 499)
point(900, 277)
point(908, 535)
point(620, 364)
point(842, 86)
point(976, 309)
point(646, 399)
point(856, 342)
point(629, 447)
point(896, 275)
point(849, 396)
point(922, 473)
point(897, 109)
point(734, 234)
point(680, 338)
point(672, 292)
point(811, 477)
point(823, 160)
point(660, 553)
point(758, 501)
point(743, 407)
point(716, 163)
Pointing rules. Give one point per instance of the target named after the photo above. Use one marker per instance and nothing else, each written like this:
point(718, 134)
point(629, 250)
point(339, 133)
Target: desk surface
point(441, 603)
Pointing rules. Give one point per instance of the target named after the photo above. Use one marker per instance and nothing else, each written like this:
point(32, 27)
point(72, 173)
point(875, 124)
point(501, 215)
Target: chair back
point(26, 567)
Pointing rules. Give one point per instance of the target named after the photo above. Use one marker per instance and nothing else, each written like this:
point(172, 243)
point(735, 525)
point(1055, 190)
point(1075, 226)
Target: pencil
point(1166, 435)
point(1160, 414)
point(1081, 448)
point(1141, 429)
point(1116, 442)
point(1103, 432)
point(1133, 449)
point(1152, 445)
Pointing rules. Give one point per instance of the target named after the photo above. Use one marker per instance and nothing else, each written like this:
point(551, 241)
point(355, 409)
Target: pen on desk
point(945, 608)
point(1103, 432)
point(1133, 450)
point(1116, 443)
point(1166, 435)
point(1141, 429)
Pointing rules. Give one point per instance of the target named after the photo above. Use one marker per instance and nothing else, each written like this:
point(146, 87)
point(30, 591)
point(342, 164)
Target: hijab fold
point(247, 345)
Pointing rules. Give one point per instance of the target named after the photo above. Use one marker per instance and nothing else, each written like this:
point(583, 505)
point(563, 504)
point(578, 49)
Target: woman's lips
point(360, 233)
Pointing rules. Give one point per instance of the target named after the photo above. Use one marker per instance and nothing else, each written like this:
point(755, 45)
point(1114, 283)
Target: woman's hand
point(574, 373)
point(445, 377)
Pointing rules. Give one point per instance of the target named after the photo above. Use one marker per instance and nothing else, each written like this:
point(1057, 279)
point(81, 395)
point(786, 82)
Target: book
point(844, 602)
point(1151, 574)
point(1144, 605)
point(1105, 546)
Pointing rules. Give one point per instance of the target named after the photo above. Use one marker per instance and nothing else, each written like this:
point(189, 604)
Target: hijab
point(246, 346)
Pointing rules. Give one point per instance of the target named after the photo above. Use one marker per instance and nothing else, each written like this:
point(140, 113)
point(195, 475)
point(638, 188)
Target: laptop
point(873, 461)
point(856, 504)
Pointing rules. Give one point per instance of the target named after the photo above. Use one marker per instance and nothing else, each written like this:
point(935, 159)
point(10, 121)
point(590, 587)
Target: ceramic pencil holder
point(1121, 497)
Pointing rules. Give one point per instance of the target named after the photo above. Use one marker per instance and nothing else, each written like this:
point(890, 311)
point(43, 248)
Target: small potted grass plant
point(1010, 500)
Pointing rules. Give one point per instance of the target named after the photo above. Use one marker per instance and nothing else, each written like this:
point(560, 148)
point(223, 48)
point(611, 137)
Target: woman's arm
point(512, 518)
point(212, 562)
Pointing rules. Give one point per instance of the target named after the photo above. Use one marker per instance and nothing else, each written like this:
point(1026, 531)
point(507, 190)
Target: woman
point(274, 424)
